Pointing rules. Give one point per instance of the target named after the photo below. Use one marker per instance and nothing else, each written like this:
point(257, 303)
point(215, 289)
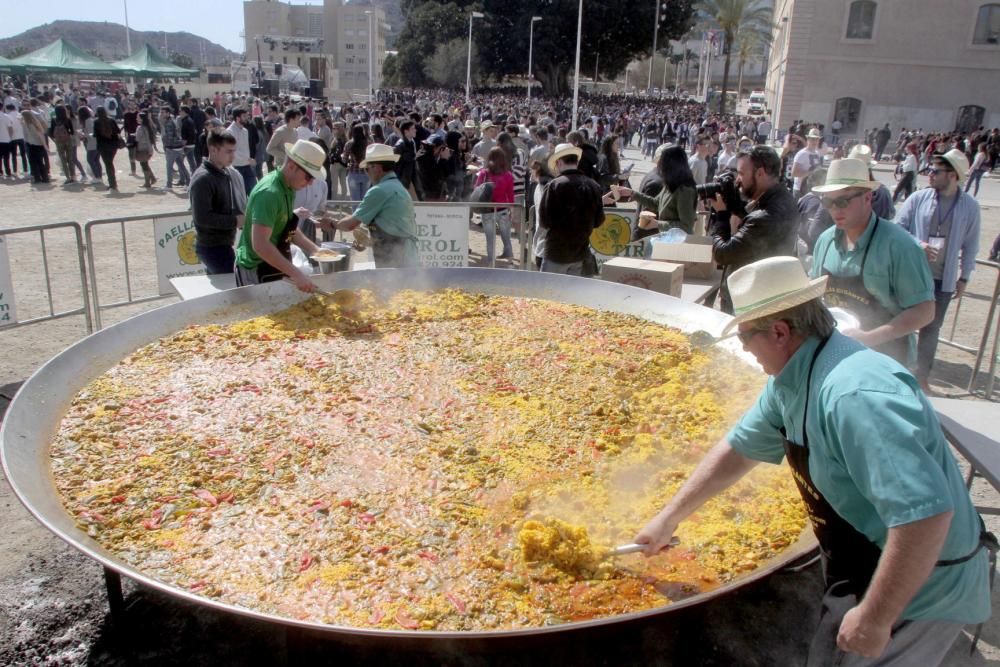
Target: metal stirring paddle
point(635, 548)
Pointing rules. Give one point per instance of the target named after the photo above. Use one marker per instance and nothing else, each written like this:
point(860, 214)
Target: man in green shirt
point(387, 209)
point(905, 555)
point(263, 253)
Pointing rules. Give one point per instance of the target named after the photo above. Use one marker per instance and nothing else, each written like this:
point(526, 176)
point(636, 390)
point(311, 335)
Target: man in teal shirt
point(877, 272)
point(387, 209)
point(905, 554)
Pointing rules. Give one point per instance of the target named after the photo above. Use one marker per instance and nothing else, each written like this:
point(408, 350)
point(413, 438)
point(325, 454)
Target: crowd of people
point(798, 225)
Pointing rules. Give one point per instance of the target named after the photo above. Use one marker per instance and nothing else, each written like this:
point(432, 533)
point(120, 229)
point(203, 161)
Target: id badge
point(937, 242)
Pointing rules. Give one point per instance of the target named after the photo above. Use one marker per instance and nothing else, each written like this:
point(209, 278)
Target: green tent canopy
point(7, 65)
point(62, 57)
point(148, 62)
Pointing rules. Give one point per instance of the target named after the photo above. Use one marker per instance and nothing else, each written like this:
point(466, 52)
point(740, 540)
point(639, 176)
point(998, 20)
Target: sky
point(219, 21)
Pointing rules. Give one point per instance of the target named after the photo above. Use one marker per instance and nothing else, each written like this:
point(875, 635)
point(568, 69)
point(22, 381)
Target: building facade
point(910, 63)
point(330, 42)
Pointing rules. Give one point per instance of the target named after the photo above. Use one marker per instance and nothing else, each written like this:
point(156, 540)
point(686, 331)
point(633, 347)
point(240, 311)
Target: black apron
point(849, 557)
point(850, 293)
point(267, 273)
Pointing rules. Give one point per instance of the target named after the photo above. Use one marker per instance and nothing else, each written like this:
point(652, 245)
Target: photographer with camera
point(765, 226)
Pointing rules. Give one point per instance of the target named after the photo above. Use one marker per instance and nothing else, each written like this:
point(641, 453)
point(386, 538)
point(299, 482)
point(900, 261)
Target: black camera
point(725, 185)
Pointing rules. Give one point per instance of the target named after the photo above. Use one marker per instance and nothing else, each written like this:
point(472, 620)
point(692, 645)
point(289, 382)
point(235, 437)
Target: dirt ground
point(53, 607)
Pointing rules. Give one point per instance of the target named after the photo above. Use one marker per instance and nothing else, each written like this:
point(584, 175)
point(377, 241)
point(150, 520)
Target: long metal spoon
point(702, 338)
point(635, 548)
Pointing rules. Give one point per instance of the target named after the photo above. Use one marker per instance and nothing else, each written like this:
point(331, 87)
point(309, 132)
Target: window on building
point(970, 118)
point(349, 60)
point(349, 46)
point(349, 32)
point(861, 20)
point(315, 25)
point(987, 25)
point(298, 61)
point(848, 111)
point(284, 59)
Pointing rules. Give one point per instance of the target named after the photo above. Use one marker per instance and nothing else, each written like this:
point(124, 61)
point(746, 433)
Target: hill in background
point(107, 41)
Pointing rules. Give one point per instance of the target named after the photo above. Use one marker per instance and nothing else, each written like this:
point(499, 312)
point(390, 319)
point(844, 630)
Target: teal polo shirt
point(878, 456)
point(389, 206)
point(270, 204)
point(897, 273)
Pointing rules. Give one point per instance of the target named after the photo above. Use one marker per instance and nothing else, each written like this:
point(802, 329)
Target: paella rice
point(401, 463)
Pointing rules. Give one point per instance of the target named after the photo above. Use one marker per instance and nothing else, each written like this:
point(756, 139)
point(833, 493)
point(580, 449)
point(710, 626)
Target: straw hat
point(770, 286)
point(847, 173)
point(486, 125)
point(814, 134)
point(957, 160)
point(309, 156)
point(862, 152)
point(470, 124)
point(379, 153)
point(561, 151)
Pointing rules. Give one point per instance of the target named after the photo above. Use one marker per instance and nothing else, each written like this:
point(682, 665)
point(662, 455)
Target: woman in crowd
point(353, 156)
point(145, 145)
point(517, 162)
point(263, 137)
point(540, 177)
point(338, 166)
point(63, 133)
point(34, 137)
point(676, 204)
point(86, 120)
point(497, 171)
point(377, 134)
point(608, 164)
point(980, 165)
point(107, 134)
point(908, 180)
point(459, 147)
point(130, 121)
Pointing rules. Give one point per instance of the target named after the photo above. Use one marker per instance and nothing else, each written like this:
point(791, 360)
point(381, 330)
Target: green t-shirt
point(878, 456)
point(270, 204)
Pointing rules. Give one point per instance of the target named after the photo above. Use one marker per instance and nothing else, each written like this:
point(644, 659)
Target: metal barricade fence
point(84, 308)
point(126, 262)
point(988, 329)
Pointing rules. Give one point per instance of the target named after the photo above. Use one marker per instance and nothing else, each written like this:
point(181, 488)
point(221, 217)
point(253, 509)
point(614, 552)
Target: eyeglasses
point(839, 202)
point(746, 336)
point(938, 170)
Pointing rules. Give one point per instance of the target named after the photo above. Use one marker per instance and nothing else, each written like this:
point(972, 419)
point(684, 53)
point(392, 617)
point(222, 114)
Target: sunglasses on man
point(937, 169)
point(839, 202)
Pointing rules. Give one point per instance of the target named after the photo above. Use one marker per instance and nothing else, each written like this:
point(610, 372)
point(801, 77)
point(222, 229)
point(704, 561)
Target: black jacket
point(214, 205)
point(770, 230)
point(570, 210)
point(406, 168)
point(188, 132)
point(588, 161)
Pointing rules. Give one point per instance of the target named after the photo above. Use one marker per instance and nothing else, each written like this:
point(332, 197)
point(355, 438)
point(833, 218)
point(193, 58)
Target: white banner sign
point(175, 255)
point(8, 308)
point(442, 235)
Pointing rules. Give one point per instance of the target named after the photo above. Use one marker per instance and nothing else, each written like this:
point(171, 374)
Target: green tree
point(390, 71)
point(447, 66)
point(733, 17)
point(611, 32)
point(749, 43)
point(181, 60)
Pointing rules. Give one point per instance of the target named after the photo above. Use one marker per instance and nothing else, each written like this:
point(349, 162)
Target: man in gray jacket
point(218, 200)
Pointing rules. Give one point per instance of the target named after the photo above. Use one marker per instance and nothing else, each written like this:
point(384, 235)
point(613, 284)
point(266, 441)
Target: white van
point(758, 97)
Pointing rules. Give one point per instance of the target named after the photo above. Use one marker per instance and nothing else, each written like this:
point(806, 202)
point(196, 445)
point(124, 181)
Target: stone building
point(931, 64)
point(328, 41)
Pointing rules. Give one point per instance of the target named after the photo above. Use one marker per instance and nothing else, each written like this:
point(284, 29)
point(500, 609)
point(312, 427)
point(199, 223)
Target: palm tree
point(733, 17)
point(749, 43)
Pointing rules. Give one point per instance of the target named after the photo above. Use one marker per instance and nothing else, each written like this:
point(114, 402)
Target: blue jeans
point(927, 339)
point(191, 159)
point(94, 160)
point(357, 183)
point(975, 175)
point(176, 156)
point(216, 258)
point(249, 178)
point(490, 223)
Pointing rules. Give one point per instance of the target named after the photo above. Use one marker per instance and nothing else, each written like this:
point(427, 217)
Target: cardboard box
point(663, 277)
point(695, 254)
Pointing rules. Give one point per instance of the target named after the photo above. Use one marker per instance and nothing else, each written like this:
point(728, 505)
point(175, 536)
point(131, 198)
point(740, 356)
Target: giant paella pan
point(444, 453)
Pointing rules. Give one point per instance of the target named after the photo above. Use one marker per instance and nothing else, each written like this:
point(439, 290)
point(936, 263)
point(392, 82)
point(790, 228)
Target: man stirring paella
point(905, 555)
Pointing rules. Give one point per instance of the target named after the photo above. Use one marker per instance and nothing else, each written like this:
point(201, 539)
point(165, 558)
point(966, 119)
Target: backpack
point(483, 194)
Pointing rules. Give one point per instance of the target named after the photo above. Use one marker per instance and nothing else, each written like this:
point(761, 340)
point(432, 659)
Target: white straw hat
point(849, 172)
point(957, 160)
point(561, 151)
point(770, 286)
point(309, 156)
point(814, 134)
point(378, 153)
point(862, 152)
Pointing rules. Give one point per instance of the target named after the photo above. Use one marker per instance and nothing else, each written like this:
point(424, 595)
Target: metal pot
point(342, 264)
point(35, 414)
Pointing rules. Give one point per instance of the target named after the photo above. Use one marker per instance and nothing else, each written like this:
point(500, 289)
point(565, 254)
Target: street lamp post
point(128, 42)
point(468, 64)
point(371, 82)
point(576, 73)
point(531, 44)
point(652, 56)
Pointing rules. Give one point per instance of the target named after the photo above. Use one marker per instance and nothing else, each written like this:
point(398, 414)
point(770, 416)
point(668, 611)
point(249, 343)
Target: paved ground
point(52, 604)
